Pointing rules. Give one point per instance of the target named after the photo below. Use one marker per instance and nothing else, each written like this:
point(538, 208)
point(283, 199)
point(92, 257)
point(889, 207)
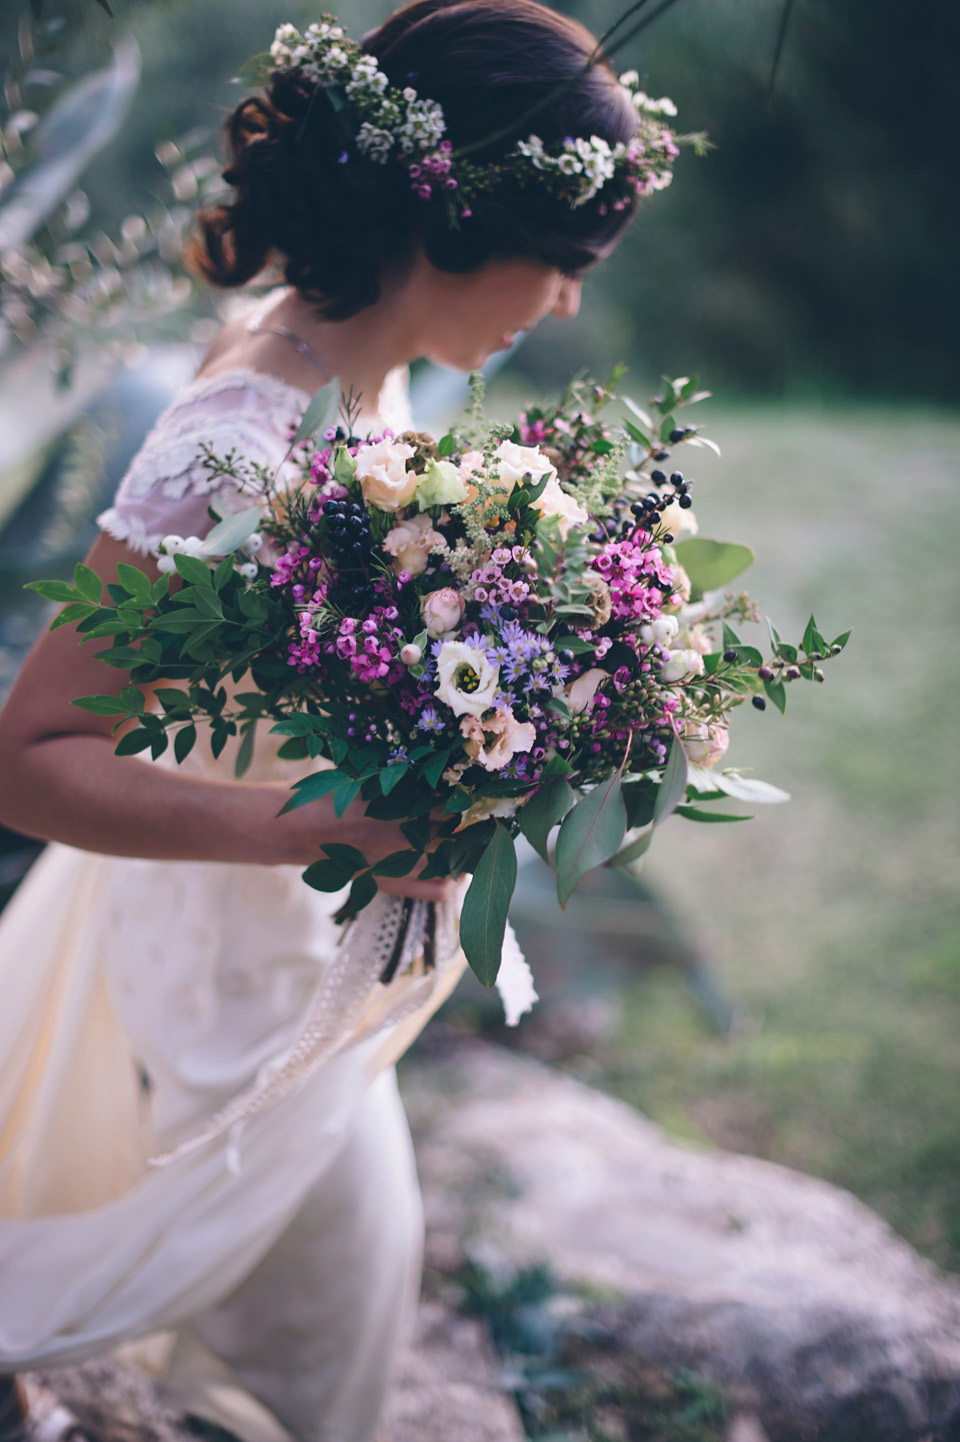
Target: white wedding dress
point(271, 1268)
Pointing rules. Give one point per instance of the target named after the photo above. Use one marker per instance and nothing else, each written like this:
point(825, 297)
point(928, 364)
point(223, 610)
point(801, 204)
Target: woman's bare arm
point(61, 781)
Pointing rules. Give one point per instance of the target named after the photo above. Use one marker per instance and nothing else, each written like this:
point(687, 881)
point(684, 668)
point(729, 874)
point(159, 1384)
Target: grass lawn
point(833, 921)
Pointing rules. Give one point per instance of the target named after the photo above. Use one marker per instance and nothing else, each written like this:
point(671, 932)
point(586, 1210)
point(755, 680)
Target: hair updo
point(336, 222)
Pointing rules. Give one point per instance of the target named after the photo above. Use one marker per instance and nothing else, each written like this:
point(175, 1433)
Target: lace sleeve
point(167, 489)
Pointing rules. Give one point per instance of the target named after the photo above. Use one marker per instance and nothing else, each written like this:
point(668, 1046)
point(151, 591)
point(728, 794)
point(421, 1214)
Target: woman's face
point(471, 316)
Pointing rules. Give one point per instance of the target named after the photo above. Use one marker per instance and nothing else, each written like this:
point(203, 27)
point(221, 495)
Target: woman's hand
point(308, 827)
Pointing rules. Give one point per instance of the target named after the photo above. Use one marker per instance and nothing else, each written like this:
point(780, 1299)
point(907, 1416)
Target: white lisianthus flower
point(682, 666)
point(382, 472)
point(440, 485)
point(467, 679)
point(411, 542)
point(554, 501)
point(495, 740)
point(659, 632)
point(678, 521)
point(704, 742)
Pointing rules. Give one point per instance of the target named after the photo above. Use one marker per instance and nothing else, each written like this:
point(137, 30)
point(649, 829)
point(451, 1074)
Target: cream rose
point(678, 521)
point(514, 462)
point(411, 542)
point(681, 583)
point(441, 610)
point(508, 737)
point(467, 679)
point(382, 472)
point(440, 485)
point(554, 501)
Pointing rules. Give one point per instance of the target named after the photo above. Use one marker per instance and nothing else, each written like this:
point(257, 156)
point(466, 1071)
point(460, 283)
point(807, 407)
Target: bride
point(432, 193)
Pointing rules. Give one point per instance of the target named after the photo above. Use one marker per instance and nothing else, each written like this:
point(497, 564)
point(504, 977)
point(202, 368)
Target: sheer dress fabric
point(139, 998)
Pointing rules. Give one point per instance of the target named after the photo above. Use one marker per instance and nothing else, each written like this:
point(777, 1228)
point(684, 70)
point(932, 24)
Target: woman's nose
point(567, 303)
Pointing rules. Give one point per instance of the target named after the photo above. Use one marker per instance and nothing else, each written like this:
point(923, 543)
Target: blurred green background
point(807, 270)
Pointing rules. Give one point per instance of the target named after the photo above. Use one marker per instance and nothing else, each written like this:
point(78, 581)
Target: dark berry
point(759, 702)
point(676, 478)
point(509, 613)
point(765, 673)
point(661, 455)
point(793, 673)
point(329, 508)
point(668, 538)
point(730, 655)
point(650, 503)
point(657, 477)
point(685, 502)
point(637, 508)
point(676, 436)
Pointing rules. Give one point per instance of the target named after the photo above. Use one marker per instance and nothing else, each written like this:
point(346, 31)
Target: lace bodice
point(167, 489)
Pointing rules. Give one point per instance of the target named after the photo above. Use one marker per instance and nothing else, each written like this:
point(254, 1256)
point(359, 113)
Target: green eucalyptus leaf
point(747, 788)
point(545, 809)
point(590, 834)
point(320, 413)
point(483, 919)
point(693, 813)
point(712, 564)
point(633, 849)
point(673, 786)
point(231, 532)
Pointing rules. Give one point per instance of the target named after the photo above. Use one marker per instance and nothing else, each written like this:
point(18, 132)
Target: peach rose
point(441, 611)
point(411, 542)
point(704, 742)
point(382, 472)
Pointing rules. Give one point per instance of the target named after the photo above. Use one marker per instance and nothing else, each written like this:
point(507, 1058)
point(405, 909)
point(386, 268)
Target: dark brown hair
point(336, 222)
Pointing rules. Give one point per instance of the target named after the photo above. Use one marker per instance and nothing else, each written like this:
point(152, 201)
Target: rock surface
point(780, 1287)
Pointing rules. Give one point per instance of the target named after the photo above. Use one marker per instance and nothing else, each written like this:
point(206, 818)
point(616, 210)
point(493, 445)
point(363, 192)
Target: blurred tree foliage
point(813, 253)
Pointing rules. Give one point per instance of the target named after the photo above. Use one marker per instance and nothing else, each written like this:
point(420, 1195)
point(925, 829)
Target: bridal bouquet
point(514, 628)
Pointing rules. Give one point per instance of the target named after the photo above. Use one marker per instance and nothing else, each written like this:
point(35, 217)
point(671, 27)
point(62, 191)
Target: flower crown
point(397, 125)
